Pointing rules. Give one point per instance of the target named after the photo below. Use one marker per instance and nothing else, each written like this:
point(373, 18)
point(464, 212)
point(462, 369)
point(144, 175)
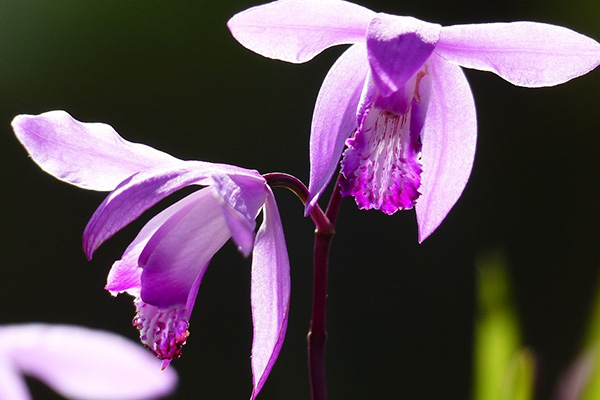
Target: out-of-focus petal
point(242, 199)
point(524, 53)
point(449, 138)
point(574, 381)
point(82, 363)
point(334, 118)
point(270, 294)
point(12, 383)
point(125, 273)
point(89, 155)
point(181, 248)
point(297, 30)
point(143, 190)
point(397, 48)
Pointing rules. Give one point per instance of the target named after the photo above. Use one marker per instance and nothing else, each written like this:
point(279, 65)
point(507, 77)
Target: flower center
point(382, 164)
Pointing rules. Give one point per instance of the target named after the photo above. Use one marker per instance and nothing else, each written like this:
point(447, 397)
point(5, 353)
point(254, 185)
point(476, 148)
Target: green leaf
point(497, 336)
point(519, 377)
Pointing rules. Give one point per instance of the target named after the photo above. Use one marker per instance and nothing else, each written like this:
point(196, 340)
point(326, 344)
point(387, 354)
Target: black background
point(169, 74)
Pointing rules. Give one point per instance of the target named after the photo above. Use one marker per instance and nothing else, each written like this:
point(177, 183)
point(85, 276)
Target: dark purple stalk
point(325, 223)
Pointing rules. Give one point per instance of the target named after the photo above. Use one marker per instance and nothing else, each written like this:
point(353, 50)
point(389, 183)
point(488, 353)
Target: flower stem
point(293, 184)
point(317, 336)
point(325, 224)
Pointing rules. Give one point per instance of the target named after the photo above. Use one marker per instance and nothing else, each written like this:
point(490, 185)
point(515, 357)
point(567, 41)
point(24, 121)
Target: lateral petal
point(125, 273)
point(143, 190)
point(297, 30)
point(397, 48)
point(334, 118)
point(180, 250)
point(524, 53)
point(89, 155)
point(449, 138)
point(82, 363)
point(270, 294)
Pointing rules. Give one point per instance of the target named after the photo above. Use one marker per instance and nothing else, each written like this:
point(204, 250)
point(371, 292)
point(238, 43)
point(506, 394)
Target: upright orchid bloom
point(397, 97)
point(163, 266)
point(78, 363)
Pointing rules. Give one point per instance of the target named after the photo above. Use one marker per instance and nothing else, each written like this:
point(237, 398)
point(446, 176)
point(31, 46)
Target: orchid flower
point(163, 266)
point(398, 99)
point(78, 363)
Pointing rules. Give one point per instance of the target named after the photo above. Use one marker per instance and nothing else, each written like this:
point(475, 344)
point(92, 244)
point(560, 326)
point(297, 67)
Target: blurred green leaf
point(584, 375)
point(497, 336)
point(519, 377)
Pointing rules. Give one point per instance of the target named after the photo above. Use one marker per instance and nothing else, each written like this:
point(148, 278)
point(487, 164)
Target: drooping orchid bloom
point(164, 265)
point(78, 363)
point(398, 99)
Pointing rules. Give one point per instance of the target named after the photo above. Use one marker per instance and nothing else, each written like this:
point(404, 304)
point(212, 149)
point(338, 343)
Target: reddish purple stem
point(325, 223)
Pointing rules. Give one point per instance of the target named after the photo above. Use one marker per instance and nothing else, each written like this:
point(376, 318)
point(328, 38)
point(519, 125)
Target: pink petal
point(89, 155)
point(398, 47)
point(524, 53)
point(334, 118)
point(270, 294)
point(181, 248)
point(449, 138)
point(12, 383)
point(297, 30)
point(143, 190)
point(125, 273)
point(575, 381)
point(242, 198)
point(82, 363)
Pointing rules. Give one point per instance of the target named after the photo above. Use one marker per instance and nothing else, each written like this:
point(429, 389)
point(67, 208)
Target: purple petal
point(397, 48)
point(297, 30)
point(524, 53)
point(143, 190)
point(180, 250)
point(270, 294)
point(449, 138)
point(334, 118)
point(82, 363)
point(12, 383)
point(242, 199)
point(125, 273)
point(89, 155)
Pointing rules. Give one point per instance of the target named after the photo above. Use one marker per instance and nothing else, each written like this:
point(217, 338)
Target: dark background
point(168, 73)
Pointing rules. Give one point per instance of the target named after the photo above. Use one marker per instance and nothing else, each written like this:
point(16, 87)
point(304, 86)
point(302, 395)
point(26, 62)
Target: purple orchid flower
point(78, 363)
point(397, 97)
point(163, 266)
